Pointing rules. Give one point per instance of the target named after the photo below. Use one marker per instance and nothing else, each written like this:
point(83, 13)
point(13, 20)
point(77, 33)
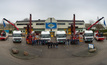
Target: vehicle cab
point(61, 36)
point(88, 36)
point(17, 36)
point(45, 35)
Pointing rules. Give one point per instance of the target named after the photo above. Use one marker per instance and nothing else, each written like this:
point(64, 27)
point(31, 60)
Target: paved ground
point(61, 56)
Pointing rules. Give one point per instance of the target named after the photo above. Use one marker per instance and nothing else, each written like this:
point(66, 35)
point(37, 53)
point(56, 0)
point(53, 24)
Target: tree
point(26, 19)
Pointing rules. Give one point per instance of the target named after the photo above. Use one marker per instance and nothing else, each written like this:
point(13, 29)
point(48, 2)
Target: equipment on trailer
point(95, 23)
point(10, 23)
point(74, 37)
point(4, 35)
point(29, 32)
point(97, 35)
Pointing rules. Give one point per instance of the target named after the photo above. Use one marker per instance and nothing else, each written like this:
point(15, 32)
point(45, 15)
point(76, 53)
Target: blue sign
point(51, 25)
point(90, 46)
point(7, 31)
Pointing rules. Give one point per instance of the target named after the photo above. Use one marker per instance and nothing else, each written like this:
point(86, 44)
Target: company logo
point(51, 25)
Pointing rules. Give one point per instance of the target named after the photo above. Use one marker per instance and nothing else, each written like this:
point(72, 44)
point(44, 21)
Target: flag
point(4, 24)
point(104, 23)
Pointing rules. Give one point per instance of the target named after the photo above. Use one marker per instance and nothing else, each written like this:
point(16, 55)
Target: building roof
point(32, 21)
point(57, 21)
point(70, 20)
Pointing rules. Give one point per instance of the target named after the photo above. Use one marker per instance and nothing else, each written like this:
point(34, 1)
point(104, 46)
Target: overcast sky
point(86, 10)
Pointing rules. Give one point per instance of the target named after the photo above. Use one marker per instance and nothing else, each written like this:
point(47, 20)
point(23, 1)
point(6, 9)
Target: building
point(58, 25)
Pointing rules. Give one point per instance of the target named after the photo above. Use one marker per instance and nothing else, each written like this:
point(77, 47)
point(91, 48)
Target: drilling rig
point(74, 37)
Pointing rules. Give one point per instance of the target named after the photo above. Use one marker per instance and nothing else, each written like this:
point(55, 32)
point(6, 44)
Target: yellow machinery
point(52, 34)
point(69, 30)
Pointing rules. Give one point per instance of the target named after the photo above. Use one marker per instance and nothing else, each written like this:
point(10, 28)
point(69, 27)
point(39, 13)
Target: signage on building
point(51, 25)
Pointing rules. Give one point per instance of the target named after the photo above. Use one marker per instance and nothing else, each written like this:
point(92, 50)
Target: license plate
point(88, 40)
point(61, 41)
point(17, 40)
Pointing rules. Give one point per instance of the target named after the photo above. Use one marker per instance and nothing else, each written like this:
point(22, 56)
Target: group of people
point(52, 45)
point(35, 39)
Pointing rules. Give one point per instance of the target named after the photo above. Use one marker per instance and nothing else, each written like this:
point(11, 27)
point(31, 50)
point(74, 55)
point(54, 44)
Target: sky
point(87, 10)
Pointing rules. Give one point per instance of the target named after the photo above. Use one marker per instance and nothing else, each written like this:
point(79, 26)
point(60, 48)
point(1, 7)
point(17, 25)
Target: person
point(34, 39)
point(68, 41)
point(56, 45)
point(53, 44)
point(48, 45)
point(39, 41)
point(37, 38)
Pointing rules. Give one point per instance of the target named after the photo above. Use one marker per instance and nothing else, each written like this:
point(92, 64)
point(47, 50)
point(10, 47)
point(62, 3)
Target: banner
point(4, 24)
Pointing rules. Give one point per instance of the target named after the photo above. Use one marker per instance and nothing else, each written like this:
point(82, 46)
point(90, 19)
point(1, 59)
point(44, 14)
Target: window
point(60, 29)
point(70, 23)
point(39, 23)
point(78, 23)
point(22, 24)
point(60, 23)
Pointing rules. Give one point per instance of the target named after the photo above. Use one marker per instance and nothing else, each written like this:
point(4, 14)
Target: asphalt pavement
point(53, 56)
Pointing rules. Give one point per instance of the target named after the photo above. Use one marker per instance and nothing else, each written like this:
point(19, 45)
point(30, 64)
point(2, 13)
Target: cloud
point(59, 9)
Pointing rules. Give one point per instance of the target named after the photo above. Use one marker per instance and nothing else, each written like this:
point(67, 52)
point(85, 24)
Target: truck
point(98, 36)
point(61, 36)
point(45, 36)
point(17, 36)
point(4, 35)
point(88, 36)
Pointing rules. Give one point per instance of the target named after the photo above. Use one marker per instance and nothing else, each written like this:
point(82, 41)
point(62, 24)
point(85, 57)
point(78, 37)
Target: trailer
point(98, 36)
point(4, 35)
